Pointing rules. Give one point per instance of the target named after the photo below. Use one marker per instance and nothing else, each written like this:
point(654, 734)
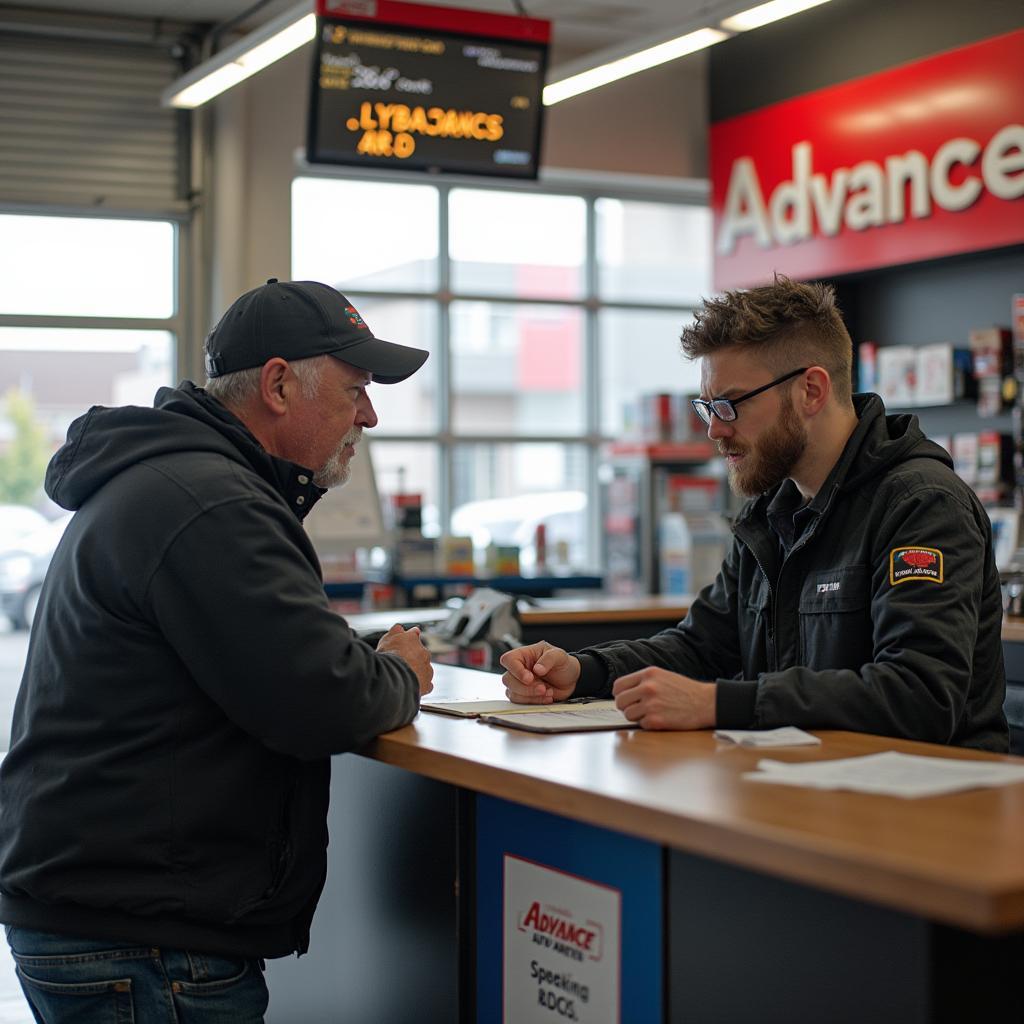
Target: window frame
point(175, 325)
point(589, 187)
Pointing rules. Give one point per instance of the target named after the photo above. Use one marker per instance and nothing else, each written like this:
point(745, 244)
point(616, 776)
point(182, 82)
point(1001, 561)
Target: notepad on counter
point(891, 774)
point(474, 707)
point(591, 717)
point(786, 736)
point(465, 707)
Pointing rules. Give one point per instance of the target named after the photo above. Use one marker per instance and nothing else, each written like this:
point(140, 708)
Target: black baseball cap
point(298, 320)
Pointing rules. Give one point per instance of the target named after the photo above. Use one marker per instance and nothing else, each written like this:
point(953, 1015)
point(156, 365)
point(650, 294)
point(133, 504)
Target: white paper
point(891, 774)
point(584, 718)
point(473, 707)
point(786, 736)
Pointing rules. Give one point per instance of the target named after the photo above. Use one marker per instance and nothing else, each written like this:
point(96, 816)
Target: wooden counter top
point(1013, 630)
point(957, 859)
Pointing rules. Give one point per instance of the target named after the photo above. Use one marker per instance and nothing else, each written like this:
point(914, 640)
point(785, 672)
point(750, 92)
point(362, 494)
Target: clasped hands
point(654, 698)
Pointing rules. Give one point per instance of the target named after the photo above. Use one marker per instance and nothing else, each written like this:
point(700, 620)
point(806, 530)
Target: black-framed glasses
point(725, 408)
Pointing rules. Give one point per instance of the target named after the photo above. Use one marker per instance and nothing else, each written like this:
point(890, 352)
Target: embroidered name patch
point(915, 564)
point(828, 588)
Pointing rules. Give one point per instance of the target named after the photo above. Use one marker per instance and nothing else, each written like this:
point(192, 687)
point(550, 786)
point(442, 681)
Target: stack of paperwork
point(891, 774)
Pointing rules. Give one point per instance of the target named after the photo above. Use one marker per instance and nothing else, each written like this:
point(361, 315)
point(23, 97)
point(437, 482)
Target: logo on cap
point(354, 318)
point(915, 564)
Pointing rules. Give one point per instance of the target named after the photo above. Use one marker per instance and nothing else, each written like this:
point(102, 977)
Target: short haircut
point(235, 389)
point(785, 324)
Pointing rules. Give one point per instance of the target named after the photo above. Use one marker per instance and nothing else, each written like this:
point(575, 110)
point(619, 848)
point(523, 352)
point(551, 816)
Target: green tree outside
point(23, 463)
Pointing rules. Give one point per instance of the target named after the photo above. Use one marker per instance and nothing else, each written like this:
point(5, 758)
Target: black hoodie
point(186, 684)
point(884, 615)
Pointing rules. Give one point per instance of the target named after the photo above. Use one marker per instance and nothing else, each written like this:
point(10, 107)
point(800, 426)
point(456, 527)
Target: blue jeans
point(91, 981)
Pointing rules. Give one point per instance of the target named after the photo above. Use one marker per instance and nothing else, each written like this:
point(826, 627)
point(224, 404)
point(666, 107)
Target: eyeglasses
point(725, 408)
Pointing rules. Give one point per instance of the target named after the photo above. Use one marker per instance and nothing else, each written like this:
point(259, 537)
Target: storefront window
point(640, 354)
point(365, 235)
point(541, 331)
point(503, 492)
point(89, 315)
point(653, 252)
point(85, 267)
point(517, 369)
point(517, 244)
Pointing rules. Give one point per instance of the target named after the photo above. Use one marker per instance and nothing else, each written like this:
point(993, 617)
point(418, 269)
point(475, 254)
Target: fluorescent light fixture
point(237, 62)
point(631, 64)
point(764, 14)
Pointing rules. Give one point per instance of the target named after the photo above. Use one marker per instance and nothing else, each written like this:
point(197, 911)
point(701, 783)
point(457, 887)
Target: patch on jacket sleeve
point(915, 564)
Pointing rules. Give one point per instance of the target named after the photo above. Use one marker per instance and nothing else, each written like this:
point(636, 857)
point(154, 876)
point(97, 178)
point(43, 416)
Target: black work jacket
point(186, 684)
point(884, 616)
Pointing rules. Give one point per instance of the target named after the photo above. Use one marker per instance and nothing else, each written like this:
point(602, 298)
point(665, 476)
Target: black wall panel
point(841, 40)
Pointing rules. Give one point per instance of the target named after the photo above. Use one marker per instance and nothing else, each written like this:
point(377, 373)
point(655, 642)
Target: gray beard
point(335, 471)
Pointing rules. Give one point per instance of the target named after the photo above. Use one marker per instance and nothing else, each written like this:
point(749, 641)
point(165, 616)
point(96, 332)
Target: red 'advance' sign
point(921, 161)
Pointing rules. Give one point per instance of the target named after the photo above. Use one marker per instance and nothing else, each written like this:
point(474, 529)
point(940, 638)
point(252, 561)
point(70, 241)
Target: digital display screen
point(418, 99)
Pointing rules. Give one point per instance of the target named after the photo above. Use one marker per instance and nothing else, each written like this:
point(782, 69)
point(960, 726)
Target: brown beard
point(773, 457)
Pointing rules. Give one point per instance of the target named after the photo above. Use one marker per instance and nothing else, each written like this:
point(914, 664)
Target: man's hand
point(407, 645)
point(539, 674)
point(659, 699)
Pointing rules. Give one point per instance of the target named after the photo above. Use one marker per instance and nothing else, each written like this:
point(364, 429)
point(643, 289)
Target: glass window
point(509, 308)
point(409, 407)
point(640, 355)
point(63, 371)
point(501, 493)
point(517, 369)
point(408, 467)
point(80, 266)
point(362, 234)
point(654, 252)
point(523, 245)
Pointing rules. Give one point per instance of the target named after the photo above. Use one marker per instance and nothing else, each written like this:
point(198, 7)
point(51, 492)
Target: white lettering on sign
point(869, 194)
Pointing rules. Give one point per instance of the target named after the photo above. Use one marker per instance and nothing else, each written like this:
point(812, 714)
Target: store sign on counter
point(922, 161)
point(561, 940)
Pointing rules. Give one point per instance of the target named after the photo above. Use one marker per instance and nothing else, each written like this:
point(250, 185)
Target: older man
point(164, 799)
point(860, 591)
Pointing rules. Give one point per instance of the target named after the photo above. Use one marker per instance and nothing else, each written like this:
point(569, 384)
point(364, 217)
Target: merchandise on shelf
point(457, 556)
point(661, 418)
point(992, 358)
point(943, 375)
point(867, 366)
point(897, 374)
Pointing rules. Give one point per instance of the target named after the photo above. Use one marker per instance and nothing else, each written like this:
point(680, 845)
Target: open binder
point(579, 715)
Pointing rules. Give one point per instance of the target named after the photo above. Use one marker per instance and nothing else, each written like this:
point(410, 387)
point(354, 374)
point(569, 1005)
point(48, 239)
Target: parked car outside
point(515, 520)
point(16, 522)
point(23, 563)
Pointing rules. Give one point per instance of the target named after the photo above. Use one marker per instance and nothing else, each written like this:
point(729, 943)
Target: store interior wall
point(841, 40)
